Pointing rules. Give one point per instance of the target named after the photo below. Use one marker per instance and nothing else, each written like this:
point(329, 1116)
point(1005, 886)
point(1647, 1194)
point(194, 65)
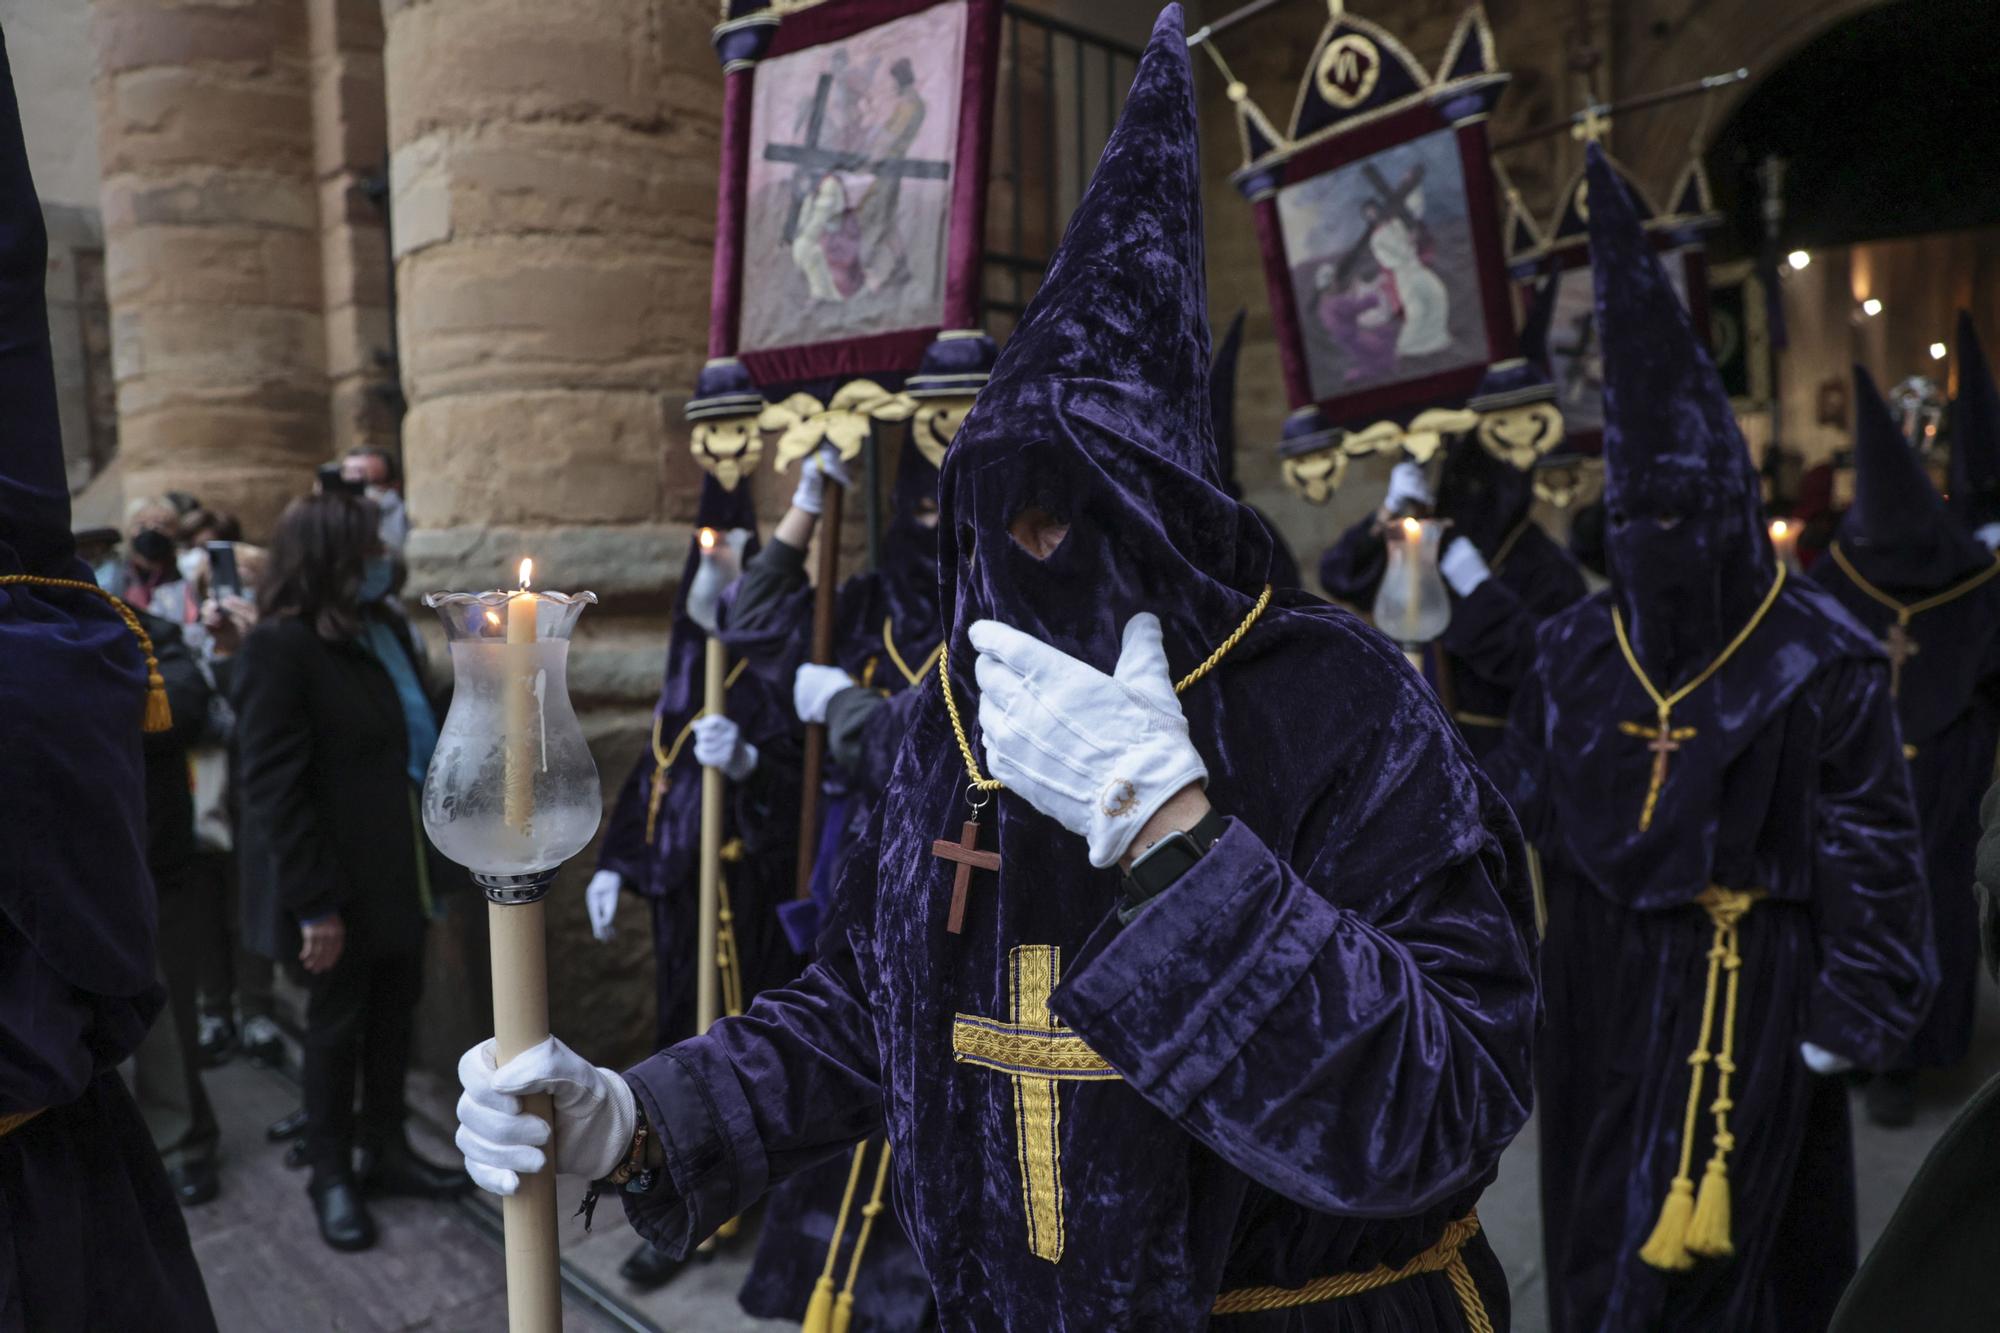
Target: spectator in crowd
point(334, 730)
point(150, 530)
point(381, 479)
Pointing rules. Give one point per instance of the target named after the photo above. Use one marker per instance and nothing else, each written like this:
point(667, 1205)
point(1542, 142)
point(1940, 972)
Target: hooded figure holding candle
point(79, 1179)
point(1268, 1070)
point(1916, 581)
point(1714, 749)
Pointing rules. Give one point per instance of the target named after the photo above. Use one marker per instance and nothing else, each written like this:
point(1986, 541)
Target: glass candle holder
point(1412, 606)
point(512, 790)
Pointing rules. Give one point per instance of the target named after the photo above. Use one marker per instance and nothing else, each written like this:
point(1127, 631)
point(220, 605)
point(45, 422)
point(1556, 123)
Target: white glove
point(594, 1113)
point(719, 743)
point(1987, 535)
point(1463, 567)
point(1822, 1061)
point(1098, 754)
point(813, 689)
point(1407, 486)
point(600, 899)
point(814, 474)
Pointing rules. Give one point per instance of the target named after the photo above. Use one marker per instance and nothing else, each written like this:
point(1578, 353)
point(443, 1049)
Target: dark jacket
point(330, 820)
point(170, 842)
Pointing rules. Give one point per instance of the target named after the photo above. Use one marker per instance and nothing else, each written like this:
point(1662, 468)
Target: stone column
point(553, 178)
point(212, 249)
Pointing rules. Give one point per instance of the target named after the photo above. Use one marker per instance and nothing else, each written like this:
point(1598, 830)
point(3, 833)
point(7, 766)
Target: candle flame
point(493, 617)
point(527, 573)
point(1779, 528)
point(1412, 528)
point(706, 537)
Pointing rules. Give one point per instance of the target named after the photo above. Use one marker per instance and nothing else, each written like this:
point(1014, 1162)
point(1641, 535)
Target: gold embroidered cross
point(1663, 740)
point(1901, 646)
point(1036, 1053)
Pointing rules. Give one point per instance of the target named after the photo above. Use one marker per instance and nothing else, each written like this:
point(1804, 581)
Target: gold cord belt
point(663, 760)
point(159, 714)
point(10, 1123)
point(1447, 1256)
point(1691, 1227)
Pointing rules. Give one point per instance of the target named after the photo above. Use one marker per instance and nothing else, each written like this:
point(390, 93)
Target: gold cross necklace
point(1665, 738)
point(1898, 642)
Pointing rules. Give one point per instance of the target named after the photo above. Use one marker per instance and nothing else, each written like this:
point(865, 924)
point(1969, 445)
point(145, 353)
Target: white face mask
point(191, 562)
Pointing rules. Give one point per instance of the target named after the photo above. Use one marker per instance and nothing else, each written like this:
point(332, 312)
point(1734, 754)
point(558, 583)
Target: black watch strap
point(1166, 861)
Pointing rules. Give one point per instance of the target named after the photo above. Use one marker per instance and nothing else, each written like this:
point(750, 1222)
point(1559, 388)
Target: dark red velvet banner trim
point(1285, 330)
point(1482, 207)
point(725, 302)
point(883, 353)
point(836, 19)
point(965, 266)
point(1338, 151)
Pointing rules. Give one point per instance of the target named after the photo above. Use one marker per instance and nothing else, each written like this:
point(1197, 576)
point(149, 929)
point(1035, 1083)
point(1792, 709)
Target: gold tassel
point(843, 1310)
point(159, 713)
point(819, 1310)
point(1667, 1246)
point(1708, 1231)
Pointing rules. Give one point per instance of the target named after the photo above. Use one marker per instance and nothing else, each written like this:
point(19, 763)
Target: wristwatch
point(1166, 861)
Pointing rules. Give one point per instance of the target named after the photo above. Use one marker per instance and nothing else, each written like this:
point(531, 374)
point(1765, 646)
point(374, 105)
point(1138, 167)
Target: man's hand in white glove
point(1098, 754)
point(814, 474)
point(719, 743)
point(1463, 567)
point(600, 899)
point(1822, 1061)
point(1987, 535)
point(813, 689)
point(595, 1116)
point(1408, 487)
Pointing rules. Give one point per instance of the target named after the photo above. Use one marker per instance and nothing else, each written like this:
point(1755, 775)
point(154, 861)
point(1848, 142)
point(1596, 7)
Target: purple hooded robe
point(80, 1184)
point(1305, 1056)
point(1898, 538)
point(1788, 779)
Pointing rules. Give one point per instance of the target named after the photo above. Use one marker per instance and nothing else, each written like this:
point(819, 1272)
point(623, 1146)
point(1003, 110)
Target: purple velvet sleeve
point(1351, 569)
point(1878, 965)
point(1519, 764)
point(1368, 1065)
point(1492, 632)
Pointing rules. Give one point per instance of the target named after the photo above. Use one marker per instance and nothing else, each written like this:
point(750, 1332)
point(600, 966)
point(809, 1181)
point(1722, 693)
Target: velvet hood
point(1896, 533)
point(1975, 434)
point(910, 549)
point(1689, 558)
point(72, 682)
point(1098, 412)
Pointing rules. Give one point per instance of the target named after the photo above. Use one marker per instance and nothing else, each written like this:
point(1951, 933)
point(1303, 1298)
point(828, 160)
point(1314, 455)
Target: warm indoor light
point(1871, 307)
point(1937, 351)
point(527, 573)
point(1798, 259)
point(707, 539)
point(1412, 528)
point(1779, 528)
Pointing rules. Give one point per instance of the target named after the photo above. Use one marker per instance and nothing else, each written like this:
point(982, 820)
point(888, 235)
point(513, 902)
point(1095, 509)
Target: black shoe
point(216, 1039)
point(397, 1170)
point(295, 1156)
point(287, 1126)
point(1891, 1099)
point(344, 1222)
point(263, 1042)
point(647, 1267)
point(195, 1184)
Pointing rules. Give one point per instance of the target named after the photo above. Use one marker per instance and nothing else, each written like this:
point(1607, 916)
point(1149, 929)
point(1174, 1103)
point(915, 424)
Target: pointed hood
point(1690, 560)
point(1896, 533)
point(1222, 404)
point(1098, 415)
point(1975, 434)
point(910, 549)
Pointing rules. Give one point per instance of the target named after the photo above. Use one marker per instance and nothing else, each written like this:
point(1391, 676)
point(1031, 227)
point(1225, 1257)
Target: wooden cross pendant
point(1663, 740)
point(1901, 647)
point(966, 854)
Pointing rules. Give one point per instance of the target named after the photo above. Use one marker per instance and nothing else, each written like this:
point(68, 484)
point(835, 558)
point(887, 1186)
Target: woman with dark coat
point(334, 730)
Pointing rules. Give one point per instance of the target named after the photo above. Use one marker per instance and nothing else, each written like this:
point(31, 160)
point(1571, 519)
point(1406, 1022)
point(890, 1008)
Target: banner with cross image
point(1378, 218)
point(850, 221)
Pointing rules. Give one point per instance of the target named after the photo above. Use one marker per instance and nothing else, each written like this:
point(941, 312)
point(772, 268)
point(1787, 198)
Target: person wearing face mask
point(1917, 581)
point(652, 841)
point(1714, 749)
point(1238, 1020)
point(886, 640)
point(334, 731)
point(380, 477)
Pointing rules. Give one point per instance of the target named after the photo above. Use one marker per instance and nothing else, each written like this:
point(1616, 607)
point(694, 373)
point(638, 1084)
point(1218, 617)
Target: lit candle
point(1413, 535)
point(518, 717)
point(1785, 542)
